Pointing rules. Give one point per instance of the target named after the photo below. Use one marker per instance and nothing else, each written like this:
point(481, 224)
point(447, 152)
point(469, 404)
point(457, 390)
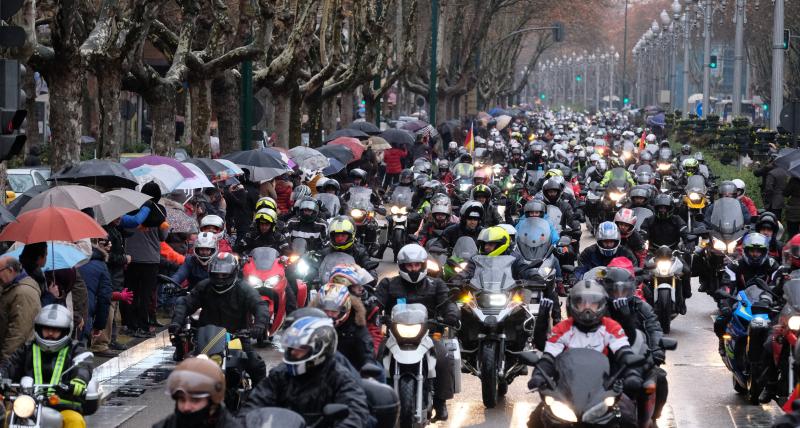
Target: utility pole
point(686, 41)
point(432, 90)
point(709, 9)
point(625, 55)
point(776, 100)
point(738, 58)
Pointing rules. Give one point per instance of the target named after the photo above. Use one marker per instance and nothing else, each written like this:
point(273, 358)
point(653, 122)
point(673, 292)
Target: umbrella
point(258, 157)
point(483, 115)
point(353, 144)
point(378, 144)
point(199, 181)
point(333, 168)
point(118, 203)
point(212, 169)
point(503, 121)
point(366, 127)
point(497, 111)
point(6, 216)
point(16, 205)
point(167, 177)
point(60, 255)
point(308, 159)
point(97, 172)
point(347, 132)
point(414, 125)
point(180, 222)
point(790, 162)
point(153, 160)
point(398, 137)
point(233, 169)
point(338, 152)
point(71, 196)
point(260, 173)
point(52, 224)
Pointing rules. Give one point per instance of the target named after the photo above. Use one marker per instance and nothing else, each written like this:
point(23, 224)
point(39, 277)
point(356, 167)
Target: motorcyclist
point(342, 238)
point(625, 219)
point(443, 169)
point(46, 357)
point(307, 225)
point(536, 160)
point(452, 151)
point(413, 286)
point(227, 302)
point(358, 178)
point(469, 224)
point(770, 227)
point(686, 153)
point(617, 171)
point(435, 226)
point(744, 199)
point(537, 208)
point(311, 377)
point(216, 225)
point(358, 278)
point(608, 246)
point(728, 190)
point(483, 195)
point(526, 266)
point(639, 197)
point(198, 387)
point(553, 194)
point(267, 202)
point(492, 241)
point(665, 227)
point(516, 160)
point(195, 267)
point(263, 233)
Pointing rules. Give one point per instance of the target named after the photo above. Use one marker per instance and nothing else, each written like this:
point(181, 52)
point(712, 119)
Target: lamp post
point(612, 62)
point(585, 60)
point(738, 57)
point(668, 33)
point(708, 10)
point(598, 64)
point(686, 44)
point(776, 99)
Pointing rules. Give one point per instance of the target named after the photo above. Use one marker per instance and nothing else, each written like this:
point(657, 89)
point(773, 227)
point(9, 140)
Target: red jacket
point(283, 191)
point(393, 160)
point(750, 205)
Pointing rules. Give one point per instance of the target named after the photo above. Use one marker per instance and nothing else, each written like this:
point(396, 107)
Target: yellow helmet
point(553, 172)
point(342, 224)
point(494, 235)
point(266, 202)
point(265, 215)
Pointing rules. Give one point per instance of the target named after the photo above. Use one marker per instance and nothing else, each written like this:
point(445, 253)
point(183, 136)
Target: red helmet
point(625, 216)
point(791, 251)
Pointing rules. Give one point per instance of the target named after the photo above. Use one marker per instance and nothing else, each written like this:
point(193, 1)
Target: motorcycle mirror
point(335, 411)
point(691, 238)
point(83, 356)
point(651, 264)
point(371, 371)
point(668, 343)
point(528, 358)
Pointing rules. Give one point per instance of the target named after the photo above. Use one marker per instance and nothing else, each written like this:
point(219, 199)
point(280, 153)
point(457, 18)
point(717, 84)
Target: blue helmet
point(309, 342)
point(608, 238)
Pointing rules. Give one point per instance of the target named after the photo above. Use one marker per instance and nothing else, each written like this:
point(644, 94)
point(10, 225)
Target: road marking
point(753, 416)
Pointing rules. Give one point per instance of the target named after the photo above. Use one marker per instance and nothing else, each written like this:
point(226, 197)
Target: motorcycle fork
point(420, 392)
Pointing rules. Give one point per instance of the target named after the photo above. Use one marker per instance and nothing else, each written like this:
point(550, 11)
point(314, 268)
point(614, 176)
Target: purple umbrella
point(160, 160)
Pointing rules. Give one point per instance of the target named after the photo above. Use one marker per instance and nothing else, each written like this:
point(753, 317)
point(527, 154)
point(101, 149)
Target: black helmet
point(727, 189)
point(358, 173)
point(587, 305)
point(535, 206)
point(549, 185)
point(767, 219)
point(663, 200)
point(222, 272)
point(465, 158)
point(406, 177)
point(618, 282)
point(331, 184)
point(644, 177)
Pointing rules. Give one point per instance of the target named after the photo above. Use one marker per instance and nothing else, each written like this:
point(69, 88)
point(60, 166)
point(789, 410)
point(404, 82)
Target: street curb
point(127, 359)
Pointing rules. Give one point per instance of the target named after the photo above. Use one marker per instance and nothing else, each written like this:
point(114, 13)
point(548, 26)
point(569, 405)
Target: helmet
point(320, 184)
point(553, 172)
point(646, 156)
point(358, 173)
point(639, 192)
point(618, 282)
point(690, 165)
point(452, 145)
point(300, 192)
point(768, 220)
point(197, 378)
point(756, 247)
point(625, 219)
point(443, 165)
point(265, 215)
point(512, 231)
point(700, 158)
point(205, 241)
point(335, 298)
point(534, 206)
point(412, 253)
point(550, 185)
point(214, 221)
point(481, 190)
point(602, 166)
point(53, 316)
point(644, 177)
point(587, 304)
point(309, 342)
point(266, 202)
point(497, 236)
point(420, 180)
point(727, 189)
point(686, 149)
point(331, 184)
point(222, 272)
point(465, 158)
point(594, 158)
point(608, 238)
point(663, 200)
point(792, 250)
point(308, 203)
point(650, 138)
point(406, 177)
point(471, 209)
point(740, 186)
point(342, 225)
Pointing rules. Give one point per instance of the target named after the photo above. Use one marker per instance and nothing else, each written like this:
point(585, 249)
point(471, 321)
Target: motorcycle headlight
point(663, 267)
point(408, 331)
point(255, 281)
point(626, 155)
point(498, 299)
point(272, 281)
point(395, 210)
point(663, 167)
point(545, 271)
point(694, 197)
point(719, 244)
point(356, 213)
point(509, 185)
point(432, 266)
point(615, 196)
point(302, 267)
point(24, 406)
point(732, 246)
point(560, 410)
point(463, 187)
point(794, 322)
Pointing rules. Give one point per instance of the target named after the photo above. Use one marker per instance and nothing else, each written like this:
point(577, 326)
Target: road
point(701, 393)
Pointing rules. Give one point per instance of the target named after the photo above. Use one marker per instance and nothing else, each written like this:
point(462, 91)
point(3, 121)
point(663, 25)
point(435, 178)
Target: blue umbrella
point(59, 256)
point(497, 111)
point(334, 167)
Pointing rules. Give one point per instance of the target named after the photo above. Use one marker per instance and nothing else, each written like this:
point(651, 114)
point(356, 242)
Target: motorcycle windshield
point(264, 257)
point(791, 293)
point(554, 216)
point(465, 248)
point(628, 146)
point(360, 198)
point(299, 246)
point(332, 260)
point(642, 214)
point(695, 184)
point(644, 168)
point(726, 217)
point(210, 339)
point(330, 202)
point(493, 273)
point(533, 238)
point(665, 154)
point(581, 374)
point(401, 196)
point(534, 176)
point(413, 313)
point(463, 170)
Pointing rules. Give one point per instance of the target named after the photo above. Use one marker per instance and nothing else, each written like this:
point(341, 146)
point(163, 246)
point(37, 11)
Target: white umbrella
point(199, 181)
point(120, 202)
point(167, 177)
point(71, 196)
point(502, 121)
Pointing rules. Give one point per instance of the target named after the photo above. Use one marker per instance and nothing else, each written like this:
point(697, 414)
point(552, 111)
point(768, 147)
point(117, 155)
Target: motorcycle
point(30, 402)
point(265, 270)
point(227, 351)
point(400, 208)
point(666, 292)
point(695, 200)
point(785, 346)
point(462, 182)
point(440, 265)
point(719, 244)
point(594, 198)
point(613, 197)
point(360, 209)
point(641, 214)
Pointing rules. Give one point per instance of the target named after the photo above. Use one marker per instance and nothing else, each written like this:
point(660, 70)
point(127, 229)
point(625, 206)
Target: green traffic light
point(765, 106)
point(578, 78)
point(626, 100)
point(713, 62)
point(542, 96)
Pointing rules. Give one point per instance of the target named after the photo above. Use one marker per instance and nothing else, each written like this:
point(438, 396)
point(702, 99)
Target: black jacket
point(664, 232)
point(253, 239)
point(231, 310)
point(315, 233)
point(307, 394)
point(454, 231)
point(238, 211)
point(591, 257)
point(116, 257)
point(431, 292)
point(355, 342)
point(642, 317)
point(223, 419)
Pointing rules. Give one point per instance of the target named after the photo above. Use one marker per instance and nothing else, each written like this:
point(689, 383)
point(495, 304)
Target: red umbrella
point(353, 144)
point(52, 224)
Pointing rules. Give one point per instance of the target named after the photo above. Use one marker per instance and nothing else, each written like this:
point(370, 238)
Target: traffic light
point(787, 36)
point(542, 96)
point(765, 106)
point(713, 62)
point(626, 100)
point(578, 78)
point(11, 140)
point(558, 31)
point(11, 36)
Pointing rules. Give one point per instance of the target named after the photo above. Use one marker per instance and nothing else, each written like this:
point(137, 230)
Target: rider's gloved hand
point(659, 357)
point(78, 386)
point(173, 328)
point(257, 332)
point(545, 304)
point(623, 306)
point(5, 383)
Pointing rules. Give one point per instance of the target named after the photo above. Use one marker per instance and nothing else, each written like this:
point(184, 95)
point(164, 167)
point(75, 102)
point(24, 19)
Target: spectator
point(98, 284)
point(775, 184)
point(33, 157)
point(283, 191)
point(114, 246)
point(214, 203)
point(238, 206)
point(33, 258)
point(393, 158)
point(20, 301)
point(792, 207)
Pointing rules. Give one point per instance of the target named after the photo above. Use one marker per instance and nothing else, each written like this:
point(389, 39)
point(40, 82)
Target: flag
point(641, 141)
point(469, 143)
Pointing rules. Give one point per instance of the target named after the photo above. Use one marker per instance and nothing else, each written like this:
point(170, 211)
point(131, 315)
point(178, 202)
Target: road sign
point(699, 109)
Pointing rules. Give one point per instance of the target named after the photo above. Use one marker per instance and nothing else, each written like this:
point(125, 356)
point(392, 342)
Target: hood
point(359, 311)
point(622, 262)
point(152, 189)
point(99, 254)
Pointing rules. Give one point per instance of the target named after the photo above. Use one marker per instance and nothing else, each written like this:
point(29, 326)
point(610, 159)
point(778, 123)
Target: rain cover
point(554, 216)
point(264, 257)
point(330, 202)
point(401, 196)
point(581, 374)
point(727, 216)
point(696, 184)
point(493, 273)
point(360, 198)
point(533, 238)
point(332, 260)
point(791, 293)
point(463, 170)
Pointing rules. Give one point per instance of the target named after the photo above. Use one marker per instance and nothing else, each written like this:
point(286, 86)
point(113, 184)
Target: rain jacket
point(98, 283)
point(20, 301)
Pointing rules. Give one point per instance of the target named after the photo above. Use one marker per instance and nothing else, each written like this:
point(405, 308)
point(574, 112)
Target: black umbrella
point(338, 152)
point(365, 127)
point(258, 158)
point(211, 168)
point(347, 132)
point(6, 216)
point(398, 137)
point(16, 205)
point(99, 172)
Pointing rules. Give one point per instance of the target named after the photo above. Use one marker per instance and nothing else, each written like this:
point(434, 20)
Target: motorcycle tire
point(738, 388)
point(753, 386)
point(502, 388)
point(407, 393)
point(664, 309)
point(489, 382)
point(398, 239)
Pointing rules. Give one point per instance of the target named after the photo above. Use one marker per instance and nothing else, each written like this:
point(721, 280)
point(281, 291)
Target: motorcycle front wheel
point(489, 374)
point(664, 309)
point(407, 393)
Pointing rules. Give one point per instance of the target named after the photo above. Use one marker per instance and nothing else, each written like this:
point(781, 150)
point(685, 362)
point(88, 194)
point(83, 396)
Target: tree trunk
point(329, 115)
point(66, 114)
point(162, 114)
point(32, 128)
point(225, 92)
point(282, 107)
point(200, 95)
point(369, 107)
point(296, 119)
point(109, 139)
point(441, 108)
point(314, 104)
point(346, 108)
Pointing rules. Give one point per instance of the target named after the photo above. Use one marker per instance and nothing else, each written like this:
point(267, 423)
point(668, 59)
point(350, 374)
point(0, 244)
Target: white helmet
point(57, 317)
point(453, 145)
point(205, 240)
point(651, 138)
point(212, 220)
point(412, 253)
point(740, 186)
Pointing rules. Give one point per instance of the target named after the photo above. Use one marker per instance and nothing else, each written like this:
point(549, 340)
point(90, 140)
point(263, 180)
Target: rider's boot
point(440, 409)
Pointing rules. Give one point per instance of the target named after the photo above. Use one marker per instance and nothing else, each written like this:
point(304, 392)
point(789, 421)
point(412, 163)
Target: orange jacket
point(171, 255)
